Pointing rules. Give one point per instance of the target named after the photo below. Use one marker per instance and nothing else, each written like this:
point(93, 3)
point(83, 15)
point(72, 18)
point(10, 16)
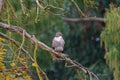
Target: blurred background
point(82, 38)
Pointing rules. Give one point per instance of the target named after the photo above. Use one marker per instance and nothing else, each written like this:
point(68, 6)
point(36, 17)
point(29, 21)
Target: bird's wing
point(55, 43)
point(62, 42)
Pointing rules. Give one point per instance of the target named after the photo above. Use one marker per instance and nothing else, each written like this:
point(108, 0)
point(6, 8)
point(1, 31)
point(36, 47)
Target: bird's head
point(58, 34)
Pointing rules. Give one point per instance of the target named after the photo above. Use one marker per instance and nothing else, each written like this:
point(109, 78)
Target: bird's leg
point(58, 59)
point(54, 58)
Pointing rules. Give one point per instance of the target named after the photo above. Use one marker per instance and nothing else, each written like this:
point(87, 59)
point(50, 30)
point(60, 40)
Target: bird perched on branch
point(58, 42)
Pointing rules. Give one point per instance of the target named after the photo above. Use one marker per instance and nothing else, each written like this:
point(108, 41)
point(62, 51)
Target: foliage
point(82, 39)
point(110, 37)
point(11, 68)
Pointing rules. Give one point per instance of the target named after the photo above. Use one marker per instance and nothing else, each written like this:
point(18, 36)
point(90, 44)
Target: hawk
point(58, 42)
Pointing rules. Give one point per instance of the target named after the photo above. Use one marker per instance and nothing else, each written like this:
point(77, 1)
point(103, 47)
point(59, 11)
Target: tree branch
point(84, 19)
point(24, 51)
point(19, 30)
point(22, 6)
point(16, 43)
point(78, 8)
point(1, 2)
point(38, 4)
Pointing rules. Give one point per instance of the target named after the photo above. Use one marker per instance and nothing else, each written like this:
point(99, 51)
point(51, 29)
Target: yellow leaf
point(34, 64)
point(1, 58)
point(15, 71)
point(3, 51)
point(24, 73)
point(21, 59)
point(7, 77)
point(1, 75)
point(13, 64)
point(28, 77)
point(1, 39)
point(15, 79)
point(2, 66)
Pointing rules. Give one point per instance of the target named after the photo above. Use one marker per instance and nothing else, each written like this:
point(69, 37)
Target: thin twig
point(23, 50)
point(1, 2)
point(79, 10)
point(16, 43)
point(46, 8)
point(51, 6)
point(40, 6)
point(22, 6)
point(84, 19)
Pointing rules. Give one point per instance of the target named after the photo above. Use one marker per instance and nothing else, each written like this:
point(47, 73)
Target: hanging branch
point(16, 43)
point(79, 10)
point(40, 6)
point(46, 8)
point(40, 44)
point(22, 6)
point(24, 51)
